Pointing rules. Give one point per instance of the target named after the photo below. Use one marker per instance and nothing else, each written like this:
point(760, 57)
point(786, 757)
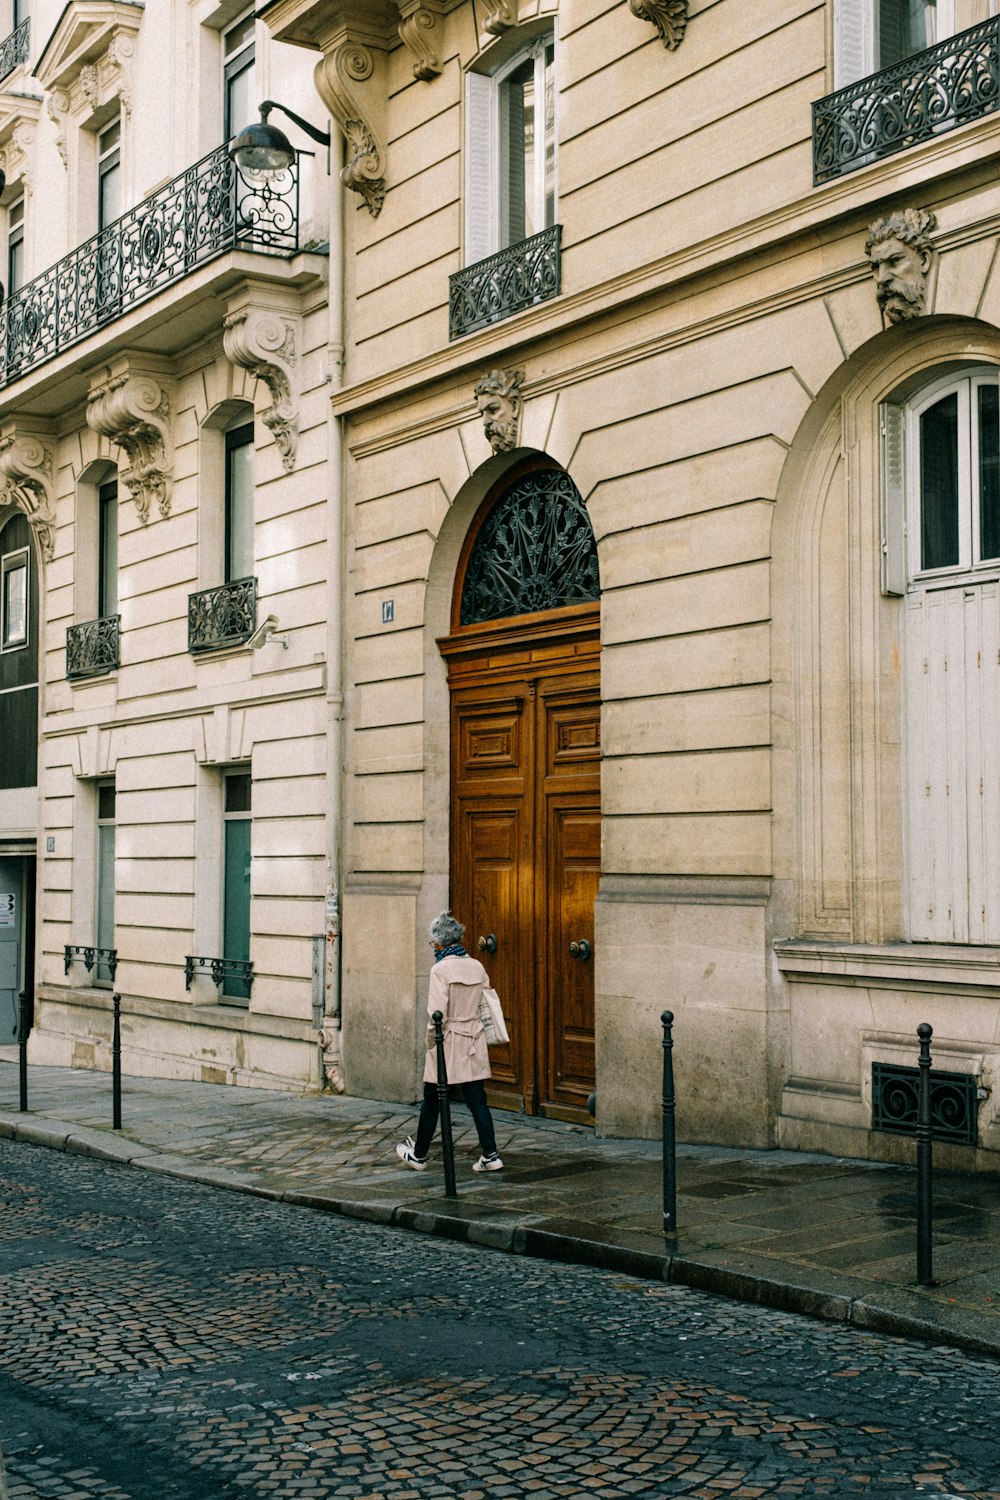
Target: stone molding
point(341, 78)
point(26, 471)
point(130, 405)
point(501, 15)
point(18, 122)
point(87, 60)
point(264, 340)
point(420, 30)
point(670, 17)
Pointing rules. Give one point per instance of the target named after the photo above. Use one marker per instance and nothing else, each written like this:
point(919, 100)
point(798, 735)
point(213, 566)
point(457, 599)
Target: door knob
point(487, 944)
point(581, 950)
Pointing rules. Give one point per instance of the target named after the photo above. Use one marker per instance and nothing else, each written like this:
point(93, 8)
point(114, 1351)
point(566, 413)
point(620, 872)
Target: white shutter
point(481, 237)
point(853, 41)
point(893, 499)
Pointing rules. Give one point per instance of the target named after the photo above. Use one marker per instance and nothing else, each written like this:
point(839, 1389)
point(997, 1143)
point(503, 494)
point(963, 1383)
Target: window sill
point(935, 965)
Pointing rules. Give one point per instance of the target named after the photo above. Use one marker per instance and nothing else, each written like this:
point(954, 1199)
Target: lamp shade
point(261, 149)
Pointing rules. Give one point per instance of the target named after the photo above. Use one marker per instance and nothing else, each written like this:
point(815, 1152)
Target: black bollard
point(22, 1043)
point(669, 1130)
point(444, 1109)
point(925, 1205)
point(116, 1065)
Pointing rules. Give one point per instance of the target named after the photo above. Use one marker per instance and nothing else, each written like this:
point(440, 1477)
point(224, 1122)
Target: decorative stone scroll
point(340, 76)
point(262, 340)
point(132, 408)
point(420, 30)
point(498, 397)
point(670, 17)
point(501, 15)
point(26, 469)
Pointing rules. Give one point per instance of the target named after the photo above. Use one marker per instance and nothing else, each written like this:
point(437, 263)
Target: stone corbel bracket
point(341, 75)
point(26, 470)
point(132, 408)
point(501, 15)
point(420, 30)
point(670, 17)
point(263, 341)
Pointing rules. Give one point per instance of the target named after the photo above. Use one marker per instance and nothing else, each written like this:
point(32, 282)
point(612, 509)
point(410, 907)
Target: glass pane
point(106, 803)
point(15, 603)
point(238, 36)
point(238, 793)
point(109, 137)
point(989, 471)
point(110, 196)
point(15, 265)
point(939, 484)
point(105, 894)
point(904, 27)
point(236, 901)
point(107, 583)
point(550, 136)
point(239, 509)
point(241, 101)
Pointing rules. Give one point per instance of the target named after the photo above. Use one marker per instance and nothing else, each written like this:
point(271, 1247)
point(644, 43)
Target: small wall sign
point(388, 611)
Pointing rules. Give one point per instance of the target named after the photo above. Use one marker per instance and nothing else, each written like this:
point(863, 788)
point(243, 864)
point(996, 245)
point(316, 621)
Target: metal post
point(925, 1206)
point(669, 1132)
point(444, 1108)
point(22, 1043)
point(116, 1064)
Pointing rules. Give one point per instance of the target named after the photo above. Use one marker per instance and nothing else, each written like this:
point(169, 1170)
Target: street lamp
point(262, 151)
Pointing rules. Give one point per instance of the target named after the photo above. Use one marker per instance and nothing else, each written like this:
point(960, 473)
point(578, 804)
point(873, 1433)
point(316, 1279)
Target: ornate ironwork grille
point(89, 957)
point(953, 1103)
point(925, 95)
point(220, 969)
point(209, 209)
point(224, 616)
point(14, 48)
point(93, 648)
point(505, 283)
point(536, 551)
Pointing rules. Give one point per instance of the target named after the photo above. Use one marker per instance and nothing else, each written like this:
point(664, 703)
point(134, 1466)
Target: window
point(14, 601)
point(944, 448)
point(236, 879)
point(511, 151)
point(107, 556)
point(105, 914)
point(109, 174)
point(15, 246)
point(239, 503)
point(239, 90)
point(20, 10)
point(874, 34)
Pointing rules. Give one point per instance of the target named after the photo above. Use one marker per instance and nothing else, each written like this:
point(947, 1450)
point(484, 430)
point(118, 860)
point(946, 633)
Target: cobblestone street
point(166, 1341)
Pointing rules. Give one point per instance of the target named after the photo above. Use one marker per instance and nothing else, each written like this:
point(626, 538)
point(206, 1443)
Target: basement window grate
point(953, 1103)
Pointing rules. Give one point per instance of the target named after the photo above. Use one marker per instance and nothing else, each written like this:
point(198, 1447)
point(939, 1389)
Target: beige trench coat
point(455, 989)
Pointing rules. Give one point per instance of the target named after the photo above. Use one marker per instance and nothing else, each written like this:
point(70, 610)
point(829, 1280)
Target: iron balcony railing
point(93, 648)
point(232, 975)
point(207, 210)
point(14, 48)
point(947, 85)
point(106, 960)
point(223, 616)
point(502, 284)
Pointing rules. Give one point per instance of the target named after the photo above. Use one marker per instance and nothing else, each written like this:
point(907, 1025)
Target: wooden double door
point(525, 863)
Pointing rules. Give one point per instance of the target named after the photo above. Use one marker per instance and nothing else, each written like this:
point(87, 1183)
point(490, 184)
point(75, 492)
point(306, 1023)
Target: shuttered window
point(870, 35)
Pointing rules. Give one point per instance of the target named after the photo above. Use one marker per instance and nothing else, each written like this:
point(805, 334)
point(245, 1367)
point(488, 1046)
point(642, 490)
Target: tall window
point(951, 638)
point(239, 502)
point(105, 914)
point(874, 34)
point(14, 601)
point(15, 246)
point(107, 558)
point(236, 878)
point(239, 89)
point(20, 10)
point(109, 174)
point(511, 151)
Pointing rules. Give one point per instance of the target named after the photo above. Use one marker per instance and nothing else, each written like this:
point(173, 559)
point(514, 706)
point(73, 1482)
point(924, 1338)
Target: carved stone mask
point(900, 255)
point(498, 397)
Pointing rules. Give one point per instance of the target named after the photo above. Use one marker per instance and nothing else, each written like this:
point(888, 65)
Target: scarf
point(454, 951)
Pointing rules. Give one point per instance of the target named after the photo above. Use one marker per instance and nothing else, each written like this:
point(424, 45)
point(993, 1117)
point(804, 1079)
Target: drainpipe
point(330, 1035)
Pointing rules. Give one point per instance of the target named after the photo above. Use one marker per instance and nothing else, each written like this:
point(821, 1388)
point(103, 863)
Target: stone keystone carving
point(26, 470)
point(670, 17)
point(419, 30)
point(337, 76)
point(263, 342)
point(133, 410)
point(498, 397)
point(900, 253)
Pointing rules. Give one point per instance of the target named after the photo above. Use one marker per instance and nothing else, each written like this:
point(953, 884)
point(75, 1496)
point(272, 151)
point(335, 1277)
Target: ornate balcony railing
point(14, 48)
point(106, 960)
point(505, 283)
point(238, 972)
point(947, 85)
point(93, 648)
point(223, 616)
point(209, 209)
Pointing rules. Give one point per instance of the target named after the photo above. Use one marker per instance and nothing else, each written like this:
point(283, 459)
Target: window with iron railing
point(14, 48)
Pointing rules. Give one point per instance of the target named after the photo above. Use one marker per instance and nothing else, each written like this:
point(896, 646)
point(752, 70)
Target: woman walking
point(456, 987)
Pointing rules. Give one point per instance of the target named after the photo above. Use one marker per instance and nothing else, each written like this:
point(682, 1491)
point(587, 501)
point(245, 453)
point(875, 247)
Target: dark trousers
point(474, 1095)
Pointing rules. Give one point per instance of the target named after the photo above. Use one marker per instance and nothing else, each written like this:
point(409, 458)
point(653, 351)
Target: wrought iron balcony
point(93, 649)
point(934, 91)
point(106, 960)
point(14, 48)
point(515, 278)
point(237, 972)
point(209, 209)
point(223, 616)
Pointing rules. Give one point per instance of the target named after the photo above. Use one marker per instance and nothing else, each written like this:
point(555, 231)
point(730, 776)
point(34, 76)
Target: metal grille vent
point(953, 1103)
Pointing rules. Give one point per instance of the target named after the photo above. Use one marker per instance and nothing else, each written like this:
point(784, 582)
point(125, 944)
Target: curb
point(898, 1312)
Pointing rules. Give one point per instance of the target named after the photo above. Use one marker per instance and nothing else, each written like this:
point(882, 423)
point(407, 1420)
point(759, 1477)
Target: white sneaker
point(406, 1154)
point(487, 1163)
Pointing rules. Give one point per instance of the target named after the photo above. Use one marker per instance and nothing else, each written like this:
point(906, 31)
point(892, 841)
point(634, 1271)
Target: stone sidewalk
point(824, 1236)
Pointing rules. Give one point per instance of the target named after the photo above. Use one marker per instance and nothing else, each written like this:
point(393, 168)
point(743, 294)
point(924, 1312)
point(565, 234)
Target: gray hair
point(446, 930)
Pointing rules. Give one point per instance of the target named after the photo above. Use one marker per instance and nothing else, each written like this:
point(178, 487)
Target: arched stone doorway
point(524, 680)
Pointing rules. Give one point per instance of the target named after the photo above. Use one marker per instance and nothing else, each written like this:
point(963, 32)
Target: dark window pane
point(939, 484)
point(904, 27)
point(105, 802)
point(107, 571)
point(989, 471)
point(237, 794)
